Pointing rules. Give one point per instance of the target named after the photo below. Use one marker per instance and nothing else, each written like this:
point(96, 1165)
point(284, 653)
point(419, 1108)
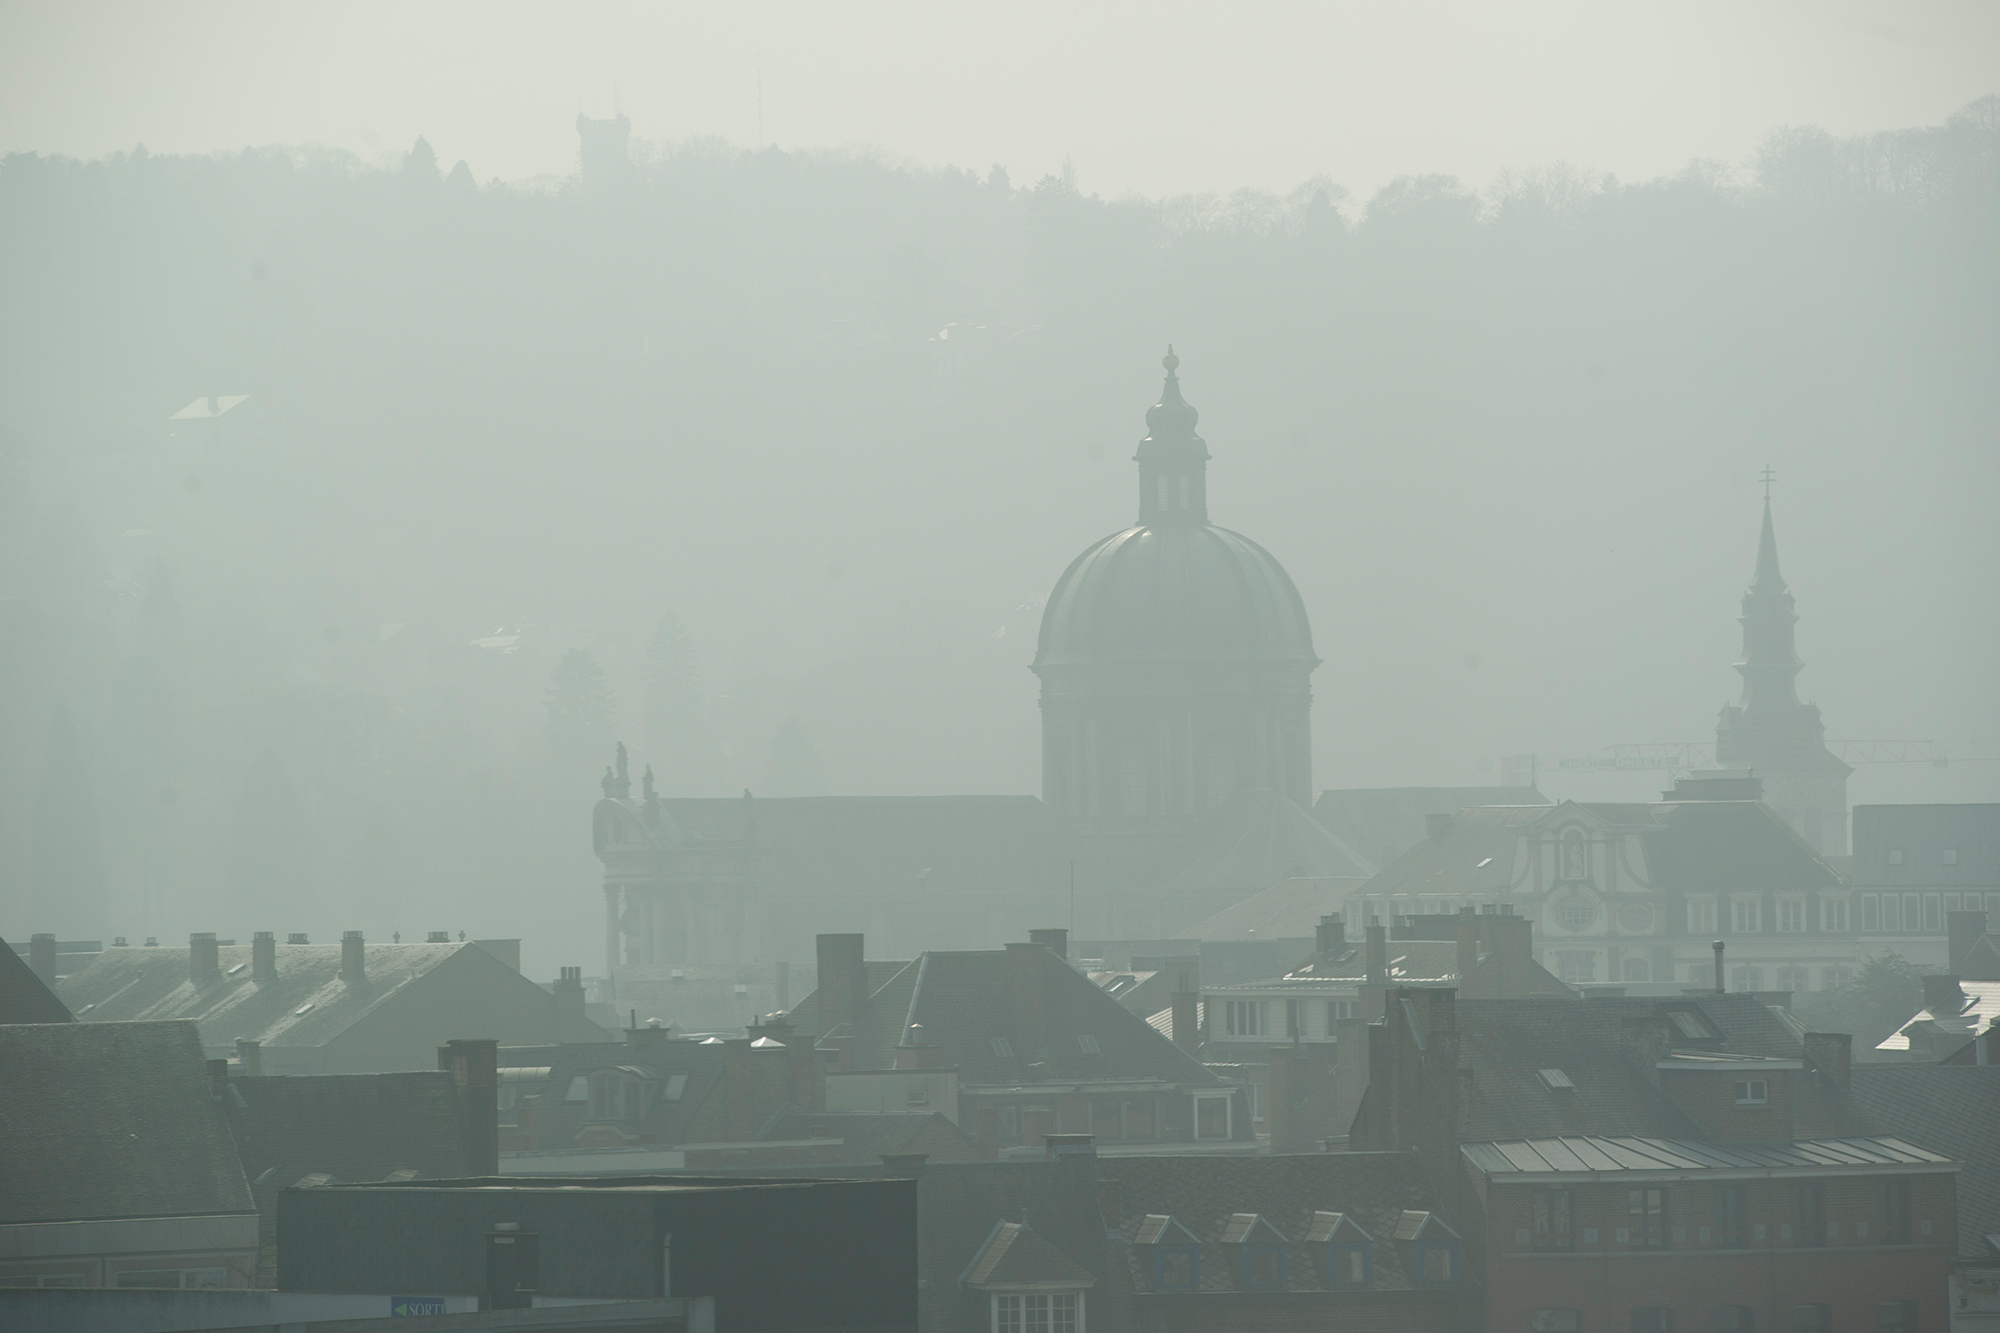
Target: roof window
point(1555, 1080)
point(1087, 1044)
point(1002, 1048)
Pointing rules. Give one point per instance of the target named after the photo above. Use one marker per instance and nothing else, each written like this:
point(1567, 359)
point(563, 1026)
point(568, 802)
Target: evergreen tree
point(1885, 994)
point(581, 709)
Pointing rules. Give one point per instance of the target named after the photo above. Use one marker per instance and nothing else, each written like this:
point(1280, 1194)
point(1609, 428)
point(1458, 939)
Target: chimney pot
point(1331, 934)
point(297, 937)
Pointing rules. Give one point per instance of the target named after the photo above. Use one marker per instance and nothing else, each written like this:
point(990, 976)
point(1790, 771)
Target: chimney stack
point(204, 961)
point(250, 1056)
point(1055, 939)
point(569, 1002)
point(1378, 954)
point(474, 1067)
point(1717, 946)
point(42, 957)
point(218, 1079)
point(353, 960)
point(843, 981)
point(263, 956)
point(1331, 934)
point(1187, 1034)
point(1963, 929)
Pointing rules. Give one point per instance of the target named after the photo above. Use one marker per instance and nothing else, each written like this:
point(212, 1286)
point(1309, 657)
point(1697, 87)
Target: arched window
point(1638, 969)
point(1575, 856)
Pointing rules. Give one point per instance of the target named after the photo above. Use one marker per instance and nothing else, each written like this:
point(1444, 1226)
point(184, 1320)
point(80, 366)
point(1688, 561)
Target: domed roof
point(1175, 592)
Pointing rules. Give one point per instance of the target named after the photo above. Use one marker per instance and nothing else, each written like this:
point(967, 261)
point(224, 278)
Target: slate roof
point(868, 1136)
point(805, 1014)
point(25, 997)
point(1979, 1010)
point(1381, 823)
point(106, 1120)
point(1505, 1044)
point(351, 1127)
point(683, 1076)
point(958, 1204)
point(1950, 1109)
point(1206, 1195)
point(1014, 1015)
point(1289, 909)
point(1014, 1256)
point(1409, 961)
point(153, 984)
point(1253, 840)
point(1625, 1155)
point(1691, 847)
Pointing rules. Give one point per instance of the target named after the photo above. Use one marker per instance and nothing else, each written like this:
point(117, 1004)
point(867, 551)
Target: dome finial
point(1170, 361)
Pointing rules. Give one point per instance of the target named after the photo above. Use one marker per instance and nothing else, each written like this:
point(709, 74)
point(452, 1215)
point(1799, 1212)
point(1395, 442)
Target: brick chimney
point(1963, 929)
point(569, 1002)
point(474, 1067)
point(218, 1079)
point(1330, 936)
point(915, 1052)
point(1831, 1054)
point(263, 956)
point(250, 1057)
point(353, 958)
point(42, 957)
point(1187, 1034)
point(843, 981)
point(1377, 953)
point(204, 964)
point(1053, 938)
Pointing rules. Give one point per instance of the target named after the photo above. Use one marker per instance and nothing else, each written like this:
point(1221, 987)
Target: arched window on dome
point(1186, 490)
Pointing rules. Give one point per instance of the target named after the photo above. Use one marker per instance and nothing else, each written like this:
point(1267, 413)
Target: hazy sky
point(1156, 98)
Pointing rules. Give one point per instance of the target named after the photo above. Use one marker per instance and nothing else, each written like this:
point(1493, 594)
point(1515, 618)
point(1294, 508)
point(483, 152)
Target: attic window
point(676, 1085)
point(579, 1089)
point(1692, 1023)
point(1087, 1044)
point(1555, 1080)
point(1002, 1048)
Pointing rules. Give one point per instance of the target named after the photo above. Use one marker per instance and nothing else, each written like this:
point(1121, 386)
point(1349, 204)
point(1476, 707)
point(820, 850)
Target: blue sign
point(401, 1306)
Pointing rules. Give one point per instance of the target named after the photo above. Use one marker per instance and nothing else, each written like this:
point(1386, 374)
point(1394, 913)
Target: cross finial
point(1767, 477)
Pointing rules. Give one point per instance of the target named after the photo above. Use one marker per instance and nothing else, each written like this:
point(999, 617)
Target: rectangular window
point(1577, 965)
point(1037, 1314)
point(1731, 1204)
point(1140, 1119)
point(1348, 1265)
point(1951, 903)
point(1087, 1044)
point(1647, 1210)
point(1791, 916)
point(1746, 916)
point(1933, 912)
point(1437, 1264)
point(1896, 1212)
point(1335, 1011)
point(1264, 1266)
point(1746, 978)
point(1701, 916)
point(1753, 1091)
point(1255, 1091)
point(1211, 1117)
point(1912, 908)
point(1833, 978)
point(1552, 1233)
point(1243, 1018)
point(1177, 1269)
point(1833, 916)
point(1295, 1021)
point(1809, 1213)
point(1104, 1118)
point(1871, 912)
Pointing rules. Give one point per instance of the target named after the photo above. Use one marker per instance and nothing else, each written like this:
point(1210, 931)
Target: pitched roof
point(1289, 909)
point(104, 1120)
point(1625, 1155)
point(24, 997)
point(1014, 1256)
point(1691, 847)
point(1979, 1009)
point(1015, 1015)
point(1506, 1044)
point(1208, 1196)
point(677, 1077)
point(1253, 840)
point(347, 1126)
point(1949, 1109)
point(1381, 823)
point(307, 1005)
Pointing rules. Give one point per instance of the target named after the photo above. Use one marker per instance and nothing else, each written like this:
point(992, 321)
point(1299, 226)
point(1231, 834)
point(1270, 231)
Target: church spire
point(1173, 460)
point(1770, 661)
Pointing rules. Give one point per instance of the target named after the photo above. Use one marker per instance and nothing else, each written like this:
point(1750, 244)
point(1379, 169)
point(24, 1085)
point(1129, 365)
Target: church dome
point(1174, 587)
point(1175, 592)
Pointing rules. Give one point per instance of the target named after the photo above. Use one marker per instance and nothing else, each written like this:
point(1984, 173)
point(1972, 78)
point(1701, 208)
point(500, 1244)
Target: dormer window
point(1261, 1251)
point(1350, 1250)
point(1176, 1253)
point(1435, 1255)
point(1753, 1092)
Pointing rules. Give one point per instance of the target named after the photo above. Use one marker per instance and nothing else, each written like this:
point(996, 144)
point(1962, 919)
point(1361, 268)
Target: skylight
point(1555, 1080)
